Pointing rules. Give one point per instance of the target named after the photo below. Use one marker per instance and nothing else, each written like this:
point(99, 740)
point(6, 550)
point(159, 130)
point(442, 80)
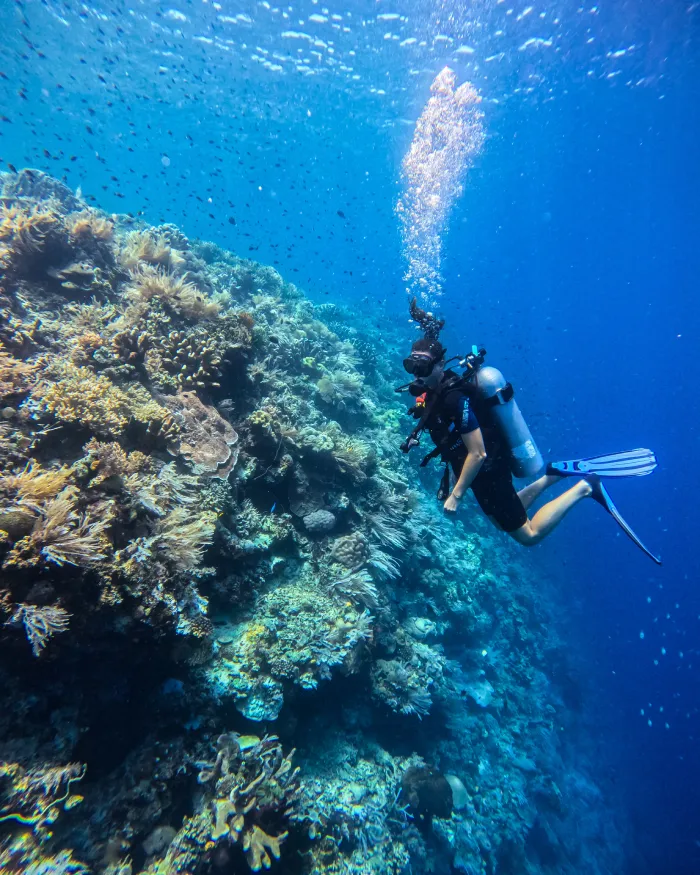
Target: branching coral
point(40, 623)
point(84, 398)
point(107, 460)
point(191, 361)
point(31, 796)
point(91, 401)
point(131, 345)
point(254, 789)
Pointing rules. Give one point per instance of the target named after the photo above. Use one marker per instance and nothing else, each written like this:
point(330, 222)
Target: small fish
point(341, 214)
point(272, 509)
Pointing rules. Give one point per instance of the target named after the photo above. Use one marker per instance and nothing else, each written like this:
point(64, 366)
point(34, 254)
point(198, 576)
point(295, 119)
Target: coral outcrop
point(207, 536)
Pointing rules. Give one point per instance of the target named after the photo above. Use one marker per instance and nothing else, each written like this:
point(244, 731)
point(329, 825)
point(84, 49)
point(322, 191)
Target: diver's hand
point(452, 503)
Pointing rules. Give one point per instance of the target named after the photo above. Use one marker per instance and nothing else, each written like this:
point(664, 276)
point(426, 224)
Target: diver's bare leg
point(548, 517)
point(531, 493)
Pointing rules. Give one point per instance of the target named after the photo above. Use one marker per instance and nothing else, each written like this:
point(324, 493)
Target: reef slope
point(236, 626)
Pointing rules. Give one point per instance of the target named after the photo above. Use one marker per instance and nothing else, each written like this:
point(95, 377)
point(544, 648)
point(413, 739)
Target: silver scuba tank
point(496, 393)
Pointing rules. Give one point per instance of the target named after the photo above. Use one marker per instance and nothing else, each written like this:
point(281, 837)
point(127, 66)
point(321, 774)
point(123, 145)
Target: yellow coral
point(35, 484)
point(148, 282)
point(86, 399)
point(26, 230)
point(145, 247)
point(92, 401)
point(111, 460)
point(16, 376)
point(89, 224)
point(62, 535)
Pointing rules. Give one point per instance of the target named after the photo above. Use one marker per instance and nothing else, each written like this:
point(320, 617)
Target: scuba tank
point(491, 390)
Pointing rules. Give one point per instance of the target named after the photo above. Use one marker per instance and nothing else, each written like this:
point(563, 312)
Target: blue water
point(573, 256)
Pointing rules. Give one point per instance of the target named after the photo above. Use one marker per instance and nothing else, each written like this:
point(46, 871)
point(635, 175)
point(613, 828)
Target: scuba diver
point(481, 436)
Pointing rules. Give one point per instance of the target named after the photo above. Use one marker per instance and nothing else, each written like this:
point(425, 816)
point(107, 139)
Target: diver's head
point(426, 362)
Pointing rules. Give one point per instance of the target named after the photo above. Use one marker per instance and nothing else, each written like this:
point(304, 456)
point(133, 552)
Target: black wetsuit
point(452, 416)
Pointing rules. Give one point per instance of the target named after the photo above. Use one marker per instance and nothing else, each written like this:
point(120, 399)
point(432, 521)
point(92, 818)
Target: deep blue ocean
point(573, 256)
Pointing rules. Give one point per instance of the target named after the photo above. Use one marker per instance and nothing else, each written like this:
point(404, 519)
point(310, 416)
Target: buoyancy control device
point(490, 392)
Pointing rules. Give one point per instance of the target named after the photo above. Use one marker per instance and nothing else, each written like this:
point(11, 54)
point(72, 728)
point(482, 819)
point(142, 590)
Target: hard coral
point(319, 521)
point(352, 551)
point(191, 360)
point(91, 401)
point(206, 440)
point(253, 790)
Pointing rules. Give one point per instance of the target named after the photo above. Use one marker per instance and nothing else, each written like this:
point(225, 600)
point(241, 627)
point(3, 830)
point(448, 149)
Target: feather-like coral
point(40, 623)
point(90, 225)
point(150, 282)
point(62, 534)
point(16, 376)
point(26, 231)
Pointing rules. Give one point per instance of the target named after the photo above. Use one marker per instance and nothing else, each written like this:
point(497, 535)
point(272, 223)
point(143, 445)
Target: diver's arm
point(476, 454)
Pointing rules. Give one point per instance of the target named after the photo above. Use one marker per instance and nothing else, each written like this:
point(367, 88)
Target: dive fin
point(601, 495)
point(631, 463)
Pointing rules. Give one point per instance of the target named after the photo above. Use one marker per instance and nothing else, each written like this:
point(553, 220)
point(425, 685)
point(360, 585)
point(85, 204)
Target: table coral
point(206, 440)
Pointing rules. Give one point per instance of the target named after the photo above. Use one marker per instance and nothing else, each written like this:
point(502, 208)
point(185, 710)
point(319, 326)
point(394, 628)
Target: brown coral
point(92, 401)
point(206, 439)
point(130, 346)
point(352, 551)
point(192, 362)
point(110, 460)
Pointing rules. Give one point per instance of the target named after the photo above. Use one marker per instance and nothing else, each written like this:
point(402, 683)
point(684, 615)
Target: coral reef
point(207, 535)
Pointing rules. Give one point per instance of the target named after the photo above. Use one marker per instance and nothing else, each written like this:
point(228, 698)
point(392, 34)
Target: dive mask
point(419, 365)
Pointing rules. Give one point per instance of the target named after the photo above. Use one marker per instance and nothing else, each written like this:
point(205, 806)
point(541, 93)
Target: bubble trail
point(448, 136)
